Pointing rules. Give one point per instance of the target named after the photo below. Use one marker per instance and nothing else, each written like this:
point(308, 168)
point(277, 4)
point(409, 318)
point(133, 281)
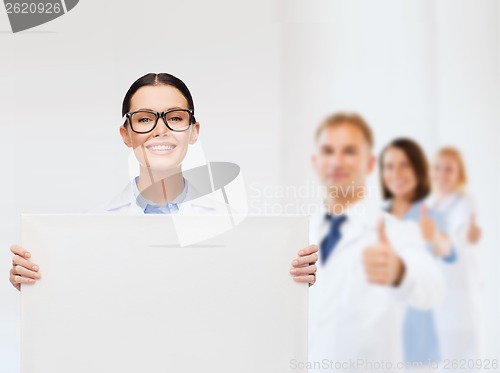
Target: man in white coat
point(372, 266)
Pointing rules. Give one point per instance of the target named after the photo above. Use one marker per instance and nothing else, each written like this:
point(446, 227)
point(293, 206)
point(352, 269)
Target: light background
point(262, 73)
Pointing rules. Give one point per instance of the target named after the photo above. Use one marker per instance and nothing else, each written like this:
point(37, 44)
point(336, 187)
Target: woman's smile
point(398, 184)
point(160, 147)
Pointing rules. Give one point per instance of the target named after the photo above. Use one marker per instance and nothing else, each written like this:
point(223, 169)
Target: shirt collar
point(144, 203)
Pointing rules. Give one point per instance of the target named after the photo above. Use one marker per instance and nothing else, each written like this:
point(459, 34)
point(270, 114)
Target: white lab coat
point(126, 203)
point(199, 217)
point(458, 318)
point(351, 319)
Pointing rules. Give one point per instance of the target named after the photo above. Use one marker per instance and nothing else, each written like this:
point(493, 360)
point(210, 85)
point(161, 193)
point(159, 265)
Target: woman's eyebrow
point(171, 108)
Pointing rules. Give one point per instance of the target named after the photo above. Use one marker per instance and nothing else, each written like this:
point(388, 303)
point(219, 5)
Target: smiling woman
point(160, 146)
point(159, 125)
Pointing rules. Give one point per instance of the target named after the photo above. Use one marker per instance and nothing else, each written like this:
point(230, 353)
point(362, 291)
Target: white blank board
point(119, 294)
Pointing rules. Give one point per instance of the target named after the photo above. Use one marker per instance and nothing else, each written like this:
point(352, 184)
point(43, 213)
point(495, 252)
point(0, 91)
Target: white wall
point(262, 75)
point(376, 58)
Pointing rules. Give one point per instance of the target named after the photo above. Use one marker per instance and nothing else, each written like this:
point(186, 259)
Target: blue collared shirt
point(153, 208)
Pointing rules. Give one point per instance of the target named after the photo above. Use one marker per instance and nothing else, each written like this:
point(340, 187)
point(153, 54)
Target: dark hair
point(419, 164)
point(153, 79)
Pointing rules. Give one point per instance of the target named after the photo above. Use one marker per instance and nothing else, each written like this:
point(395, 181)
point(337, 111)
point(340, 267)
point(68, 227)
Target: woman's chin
point(400, 192)
point(159, 166)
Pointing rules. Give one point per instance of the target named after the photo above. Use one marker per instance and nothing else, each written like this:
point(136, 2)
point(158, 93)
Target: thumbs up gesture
point(473, 230)
point(382, 265)
point(427, 225)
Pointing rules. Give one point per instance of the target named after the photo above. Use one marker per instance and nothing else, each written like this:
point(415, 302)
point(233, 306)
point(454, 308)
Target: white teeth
point(161, 147)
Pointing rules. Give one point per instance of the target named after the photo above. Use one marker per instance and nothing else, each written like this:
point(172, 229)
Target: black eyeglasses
point(144, 121)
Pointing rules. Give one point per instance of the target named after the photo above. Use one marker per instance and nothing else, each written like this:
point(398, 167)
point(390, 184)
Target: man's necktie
point(333, 236)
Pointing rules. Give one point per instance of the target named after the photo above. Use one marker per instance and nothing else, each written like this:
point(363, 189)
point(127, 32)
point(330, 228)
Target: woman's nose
point(161, 128)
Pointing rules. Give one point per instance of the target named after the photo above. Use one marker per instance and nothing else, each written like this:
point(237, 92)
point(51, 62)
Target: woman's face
point(397, 173)
point(445, 174)
point(160, 150)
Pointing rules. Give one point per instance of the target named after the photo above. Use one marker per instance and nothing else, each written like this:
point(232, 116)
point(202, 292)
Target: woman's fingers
point(24, 272)
point(18, 279)
point(18, 250)
point(13, 282)
point(20, 261)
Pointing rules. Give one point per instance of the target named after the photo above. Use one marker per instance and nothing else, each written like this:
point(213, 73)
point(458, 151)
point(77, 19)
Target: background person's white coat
point(351, 320)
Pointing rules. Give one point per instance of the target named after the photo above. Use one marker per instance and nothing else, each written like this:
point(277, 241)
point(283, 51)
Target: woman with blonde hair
point(457, 320)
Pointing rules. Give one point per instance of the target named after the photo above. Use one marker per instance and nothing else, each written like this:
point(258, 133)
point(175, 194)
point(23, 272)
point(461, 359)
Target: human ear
point(125, 136)
point(194, 133)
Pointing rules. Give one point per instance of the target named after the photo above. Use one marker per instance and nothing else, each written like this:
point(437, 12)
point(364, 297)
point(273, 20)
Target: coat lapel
point(126, 202)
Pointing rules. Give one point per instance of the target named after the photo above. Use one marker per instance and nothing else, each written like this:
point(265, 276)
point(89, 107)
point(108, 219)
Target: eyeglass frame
point(162, 115)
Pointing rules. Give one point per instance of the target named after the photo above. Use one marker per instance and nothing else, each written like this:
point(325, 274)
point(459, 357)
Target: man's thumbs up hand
point(382, 265)
point(427, 225)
